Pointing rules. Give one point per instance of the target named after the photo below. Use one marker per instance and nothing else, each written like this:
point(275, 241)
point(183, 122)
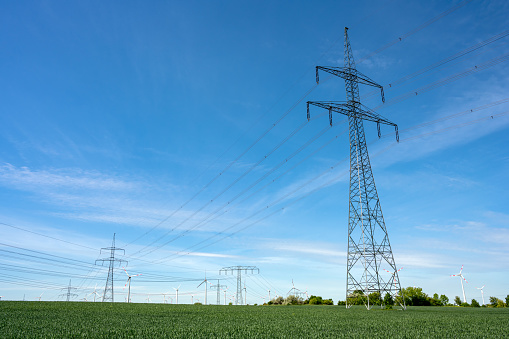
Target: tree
point(457, 300)
point(375, 298)
point(356, 298)
point(414, 296)
point(474, 303)
point(327, 302)
point(277, 301)
point(494, 301)
point(507, 301)
point(388, 301)
point(435, 301)
point(293, 300)
point(315, 300)
point(444, 300)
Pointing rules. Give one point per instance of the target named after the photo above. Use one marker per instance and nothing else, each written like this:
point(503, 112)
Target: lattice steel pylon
point(239, 269)
point(69, 294)
point(218, 288)
point(369, 249)
point(108, 289)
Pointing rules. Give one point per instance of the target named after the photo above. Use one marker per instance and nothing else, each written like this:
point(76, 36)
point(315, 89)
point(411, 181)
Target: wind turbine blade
point(461, 268)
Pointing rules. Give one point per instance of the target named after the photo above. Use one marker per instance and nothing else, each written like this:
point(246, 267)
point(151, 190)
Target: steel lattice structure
point(239, 269)
point(218, 287)
point(108, 289)
point(369, 249)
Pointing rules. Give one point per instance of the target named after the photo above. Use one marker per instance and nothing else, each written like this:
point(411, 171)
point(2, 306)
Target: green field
point(106, 320)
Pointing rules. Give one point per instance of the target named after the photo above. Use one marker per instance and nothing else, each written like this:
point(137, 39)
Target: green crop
point(118, 320)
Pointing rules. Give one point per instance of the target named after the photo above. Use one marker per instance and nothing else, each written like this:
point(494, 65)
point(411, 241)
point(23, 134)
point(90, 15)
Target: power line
point(415, 30)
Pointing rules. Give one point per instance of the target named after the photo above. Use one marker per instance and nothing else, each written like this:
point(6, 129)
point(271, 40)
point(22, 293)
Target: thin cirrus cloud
point(28, 179)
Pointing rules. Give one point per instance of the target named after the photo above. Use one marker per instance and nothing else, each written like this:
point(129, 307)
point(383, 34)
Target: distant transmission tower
point(239, 269)
point(218, 287)
point(369, 249)
point(108, 289)
point(69, 294)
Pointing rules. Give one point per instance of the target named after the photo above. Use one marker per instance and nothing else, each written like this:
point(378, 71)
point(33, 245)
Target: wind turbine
point(95, 292)
point(245, 294)
point(148, 298)
point(129, 282)
point(461, 279)
point(225, 295)
point(204, 281)
point(394, 275)
point(176, 294)
point(192, 299)
point(39, 297)
point(84, 299)
point(164, 297)
point(482, 293)
point(293, 289)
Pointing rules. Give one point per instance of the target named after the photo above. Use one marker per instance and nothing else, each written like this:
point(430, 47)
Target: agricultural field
point(118, 320)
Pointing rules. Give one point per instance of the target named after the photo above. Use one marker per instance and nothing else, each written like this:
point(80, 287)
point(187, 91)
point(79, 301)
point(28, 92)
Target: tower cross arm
point(347, 108)
point(348, 73)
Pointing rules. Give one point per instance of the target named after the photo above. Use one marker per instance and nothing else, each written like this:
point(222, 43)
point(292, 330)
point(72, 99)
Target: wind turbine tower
point(204, 282)
point(129, 282)
point(176, 294)
point(482, 293)
point(460, 275)
point(369, 249)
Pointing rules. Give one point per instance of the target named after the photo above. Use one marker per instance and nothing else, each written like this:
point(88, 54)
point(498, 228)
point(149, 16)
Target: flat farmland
point(120, 320)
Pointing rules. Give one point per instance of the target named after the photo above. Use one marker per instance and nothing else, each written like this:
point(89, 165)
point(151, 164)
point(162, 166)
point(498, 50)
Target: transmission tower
point(69, 294)
point(108, 289)
point(218, 287)
point(239, 269)
point(369, 249)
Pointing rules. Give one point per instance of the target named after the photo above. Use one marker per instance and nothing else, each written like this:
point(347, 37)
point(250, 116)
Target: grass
point(119, 320)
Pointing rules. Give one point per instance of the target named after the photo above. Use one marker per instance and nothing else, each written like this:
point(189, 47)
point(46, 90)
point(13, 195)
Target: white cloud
point(33, 180)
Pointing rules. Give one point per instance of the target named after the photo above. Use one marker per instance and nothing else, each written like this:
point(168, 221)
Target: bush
point(328, 302)
point(475, 303)
point(293, 300)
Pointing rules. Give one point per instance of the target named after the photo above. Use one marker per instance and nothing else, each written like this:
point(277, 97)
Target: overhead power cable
point(184, 232)
point(441, 62)
point(404, 36)
point(188, 251)
point(415, 30)
point(445, 81)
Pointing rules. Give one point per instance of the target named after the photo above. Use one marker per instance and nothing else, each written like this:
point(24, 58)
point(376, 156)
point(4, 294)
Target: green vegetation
point(120, 320)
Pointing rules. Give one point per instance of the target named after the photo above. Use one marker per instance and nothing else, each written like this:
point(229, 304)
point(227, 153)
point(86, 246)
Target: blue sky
point(181, 127)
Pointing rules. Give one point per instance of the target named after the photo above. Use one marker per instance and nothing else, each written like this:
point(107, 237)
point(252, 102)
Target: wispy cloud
point(25, 178)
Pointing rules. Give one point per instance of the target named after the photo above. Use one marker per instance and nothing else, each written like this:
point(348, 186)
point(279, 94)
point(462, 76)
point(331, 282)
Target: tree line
point(411, 296)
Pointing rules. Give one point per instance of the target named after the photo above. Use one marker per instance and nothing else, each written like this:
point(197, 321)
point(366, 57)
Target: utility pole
point(108, 289)
point(69, 294)
point(218, 287)
point(369, 249)
point(239, 269)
